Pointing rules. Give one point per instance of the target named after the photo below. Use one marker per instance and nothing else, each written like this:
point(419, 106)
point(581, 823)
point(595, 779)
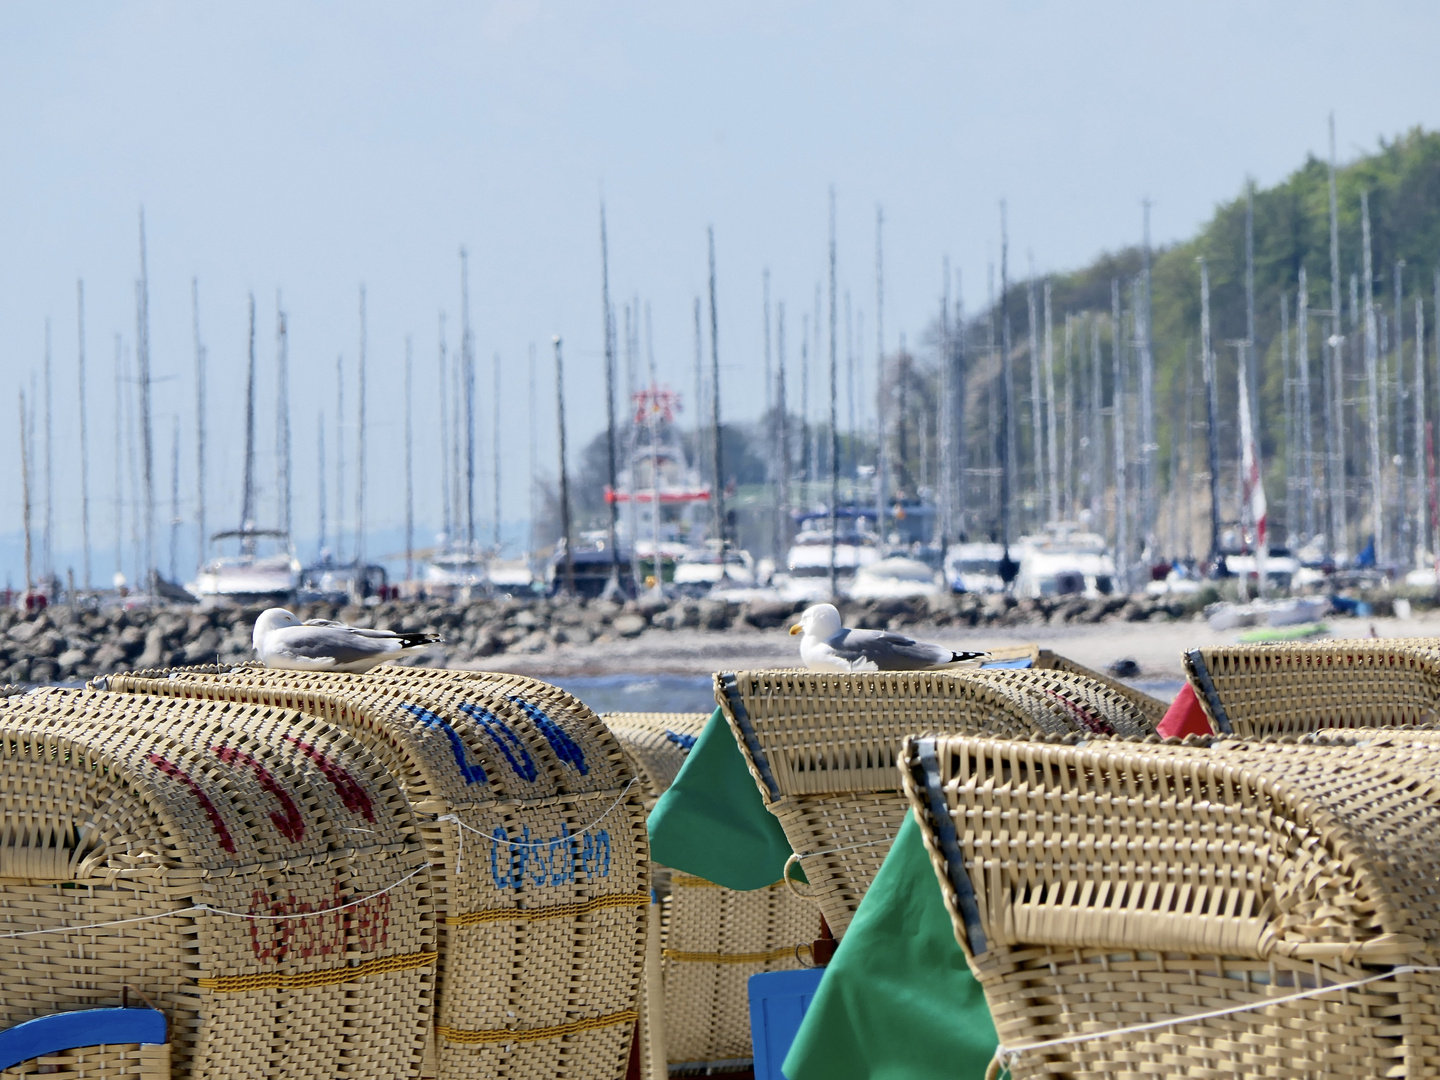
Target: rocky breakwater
point(67, 643)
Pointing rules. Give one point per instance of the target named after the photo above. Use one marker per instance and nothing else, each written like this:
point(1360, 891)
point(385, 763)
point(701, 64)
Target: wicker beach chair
point(314, 952)
point(536, 829)
point(1264, 691)
point(696, 1016)
point(1104, 892)
point(822, 749)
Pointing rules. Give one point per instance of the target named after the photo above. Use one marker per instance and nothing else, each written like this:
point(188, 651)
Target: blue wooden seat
point(85, 1027)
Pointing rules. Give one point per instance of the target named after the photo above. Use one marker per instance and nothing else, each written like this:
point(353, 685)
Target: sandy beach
point(1156, 646)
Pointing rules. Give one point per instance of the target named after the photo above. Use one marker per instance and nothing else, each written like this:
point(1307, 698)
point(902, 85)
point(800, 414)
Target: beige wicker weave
point(714, 938)
point(1101, 887)
point(1267, 690)
point(822, 748)
point(119, 807)
point(538, 836)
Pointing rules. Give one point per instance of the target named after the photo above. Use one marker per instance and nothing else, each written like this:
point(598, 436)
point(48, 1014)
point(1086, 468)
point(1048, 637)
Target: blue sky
point(308, 148)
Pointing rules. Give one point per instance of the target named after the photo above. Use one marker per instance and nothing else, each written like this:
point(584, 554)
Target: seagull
point(829, 646)
point(283, 641)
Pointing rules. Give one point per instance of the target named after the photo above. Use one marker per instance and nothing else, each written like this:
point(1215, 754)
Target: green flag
point(898, 1001)
point(712, 821)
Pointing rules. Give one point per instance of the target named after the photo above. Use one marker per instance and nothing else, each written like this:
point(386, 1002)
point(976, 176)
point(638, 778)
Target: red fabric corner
point(1184, 717)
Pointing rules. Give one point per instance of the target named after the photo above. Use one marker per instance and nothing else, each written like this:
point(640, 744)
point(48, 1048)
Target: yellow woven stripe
point(301, 980)
point(728, 958)
point(456, 1035)
point(682, 881)
point(558, 911)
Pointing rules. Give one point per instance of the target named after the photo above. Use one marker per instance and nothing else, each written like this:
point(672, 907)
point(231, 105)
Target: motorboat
point(1064, 561)
point(715, 565)
point(856, 543)
point(341, 583)
point(249, 577)
point(896, 577)
point(975, 568)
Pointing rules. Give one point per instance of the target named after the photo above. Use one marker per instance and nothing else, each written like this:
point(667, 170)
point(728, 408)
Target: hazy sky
point(308, 148)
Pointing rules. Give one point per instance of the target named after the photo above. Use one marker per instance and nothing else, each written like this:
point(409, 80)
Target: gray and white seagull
point(283, 641)
point(829, 646)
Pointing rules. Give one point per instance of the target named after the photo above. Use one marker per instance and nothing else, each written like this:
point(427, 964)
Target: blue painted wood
point(778, 1000)
point(87, 1027)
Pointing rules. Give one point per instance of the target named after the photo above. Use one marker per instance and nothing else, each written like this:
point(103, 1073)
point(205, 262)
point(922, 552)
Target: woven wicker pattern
point(656, 744)
point(1152, 708)
point(120, 1062)
point(541, 861)
point(1100, 887)
point(822, 749)
point(1267, 690)
point(121, 807)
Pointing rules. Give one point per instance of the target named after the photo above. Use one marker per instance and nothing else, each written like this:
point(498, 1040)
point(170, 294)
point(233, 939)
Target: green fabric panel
point(898, 1001)
point(712, 821)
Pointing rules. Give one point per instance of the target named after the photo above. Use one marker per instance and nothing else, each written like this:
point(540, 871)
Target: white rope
point(1004, 1055)
point(198, 909)
point(848, 847)
point(460, 841)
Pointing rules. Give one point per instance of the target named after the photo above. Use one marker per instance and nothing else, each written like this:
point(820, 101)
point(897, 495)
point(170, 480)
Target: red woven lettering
point(169, 768)
point(346, 786)
point(289, 821)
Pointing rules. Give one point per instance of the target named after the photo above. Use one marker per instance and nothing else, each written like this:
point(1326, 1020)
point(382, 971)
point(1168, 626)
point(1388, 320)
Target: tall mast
point(339, 458)
point(944, 414)
point(1252, 359)
point(1052, 463)
point(783, 467)
point(142, 356)
point(1069, 509)
point(807, 459)
point(1292, 454)
point(534, 432)
point(769, 388)
point(768, 417)
point(467, 378)
point(1037, 396)
point(564, 472)
point(1097, 429)
point(850, 380)
point(699, 387)
point(25, 493)
point(1148, 445)
point(48, 544)
point(409, 473)
point(119, 459)
point(834, 408)
point(360, 445)
point(247, 499)
point(722, 529)
point(960, 453)
point(1007, 393)
point(881, 451)
point(608, 326)
point(1335, 419)
point(495, 455)
point(1186, 450)
point(1372, 388)
point(1402, 488)
point(84, 440)
point(1302, 414)
point(447, 522)
point(1422, 478)
point(1212, 411)
point(174, 496)
point(282, 418)
point(1117, 394)
point(200, 538)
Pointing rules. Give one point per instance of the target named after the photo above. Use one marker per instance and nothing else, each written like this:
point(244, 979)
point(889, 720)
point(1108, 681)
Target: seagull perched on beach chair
point(829, 646)
point(283, 641)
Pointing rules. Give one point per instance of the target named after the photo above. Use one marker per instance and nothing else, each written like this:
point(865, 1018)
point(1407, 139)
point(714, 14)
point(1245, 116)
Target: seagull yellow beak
point(796, 629)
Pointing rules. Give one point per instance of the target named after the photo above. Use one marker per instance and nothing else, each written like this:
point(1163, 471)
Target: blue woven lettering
point(471, 772)
point(505, 740)
point(498, 840)
point(685, 742)
point(566, 749)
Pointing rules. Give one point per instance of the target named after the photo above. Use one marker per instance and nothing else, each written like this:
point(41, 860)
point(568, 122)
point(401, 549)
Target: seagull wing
point(892, 652)
point(335, 642)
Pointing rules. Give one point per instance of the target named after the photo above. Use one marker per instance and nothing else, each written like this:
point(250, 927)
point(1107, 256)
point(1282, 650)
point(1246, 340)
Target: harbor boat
point(1064, 561)
point(856, 543)
point(253, 575)
point(975, 568)
point(341, 583)
point(594, 566)
point(714, 566)
point(450, 572)
point(896, 577)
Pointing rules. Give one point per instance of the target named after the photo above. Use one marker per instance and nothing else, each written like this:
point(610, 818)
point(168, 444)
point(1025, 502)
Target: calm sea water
point(695, 693)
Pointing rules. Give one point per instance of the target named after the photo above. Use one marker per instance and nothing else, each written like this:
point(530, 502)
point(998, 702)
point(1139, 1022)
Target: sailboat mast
point(881, 447)
point(1037, 401)
point(1052, 462)
point(320, 474)
point(1372, 387)
point(409, 472)
point(360, 446)
point(721, 524)
point(1292, 454)
point(534, 432)
point(1402, 488)
point(564, 472)
point(1007, 391)
point(467, 379)
point(1339, 538)
point(1422, 478)
point(834, 403)
point(1097, 429)
point(1148, 444)
point(447, 523)
point(25, 493)
point(147, 450)
point(174, 496)
point(608, 327)
point(119, 459)
point(282, 418)
point(959, 452)
point(47, 562)
point(1117, 394)
point(247, 505)
point(84, 440)
point(783, 466)
point(200, 538)
point(945, 412)
point(495, 457)
point(339, 457)
point(1302, 413)
point(1212, 411)
point(1069, 460)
